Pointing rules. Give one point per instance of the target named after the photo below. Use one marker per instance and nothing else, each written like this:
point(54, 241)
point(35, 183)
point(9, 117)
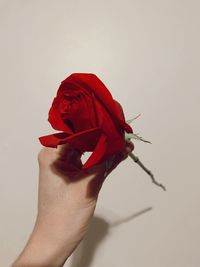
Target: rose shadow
point(98, 230)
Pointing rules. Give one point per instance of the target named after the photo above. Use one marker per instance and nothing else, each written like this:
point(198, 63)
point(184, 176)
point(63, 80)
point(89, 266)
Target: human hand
point(67, 198)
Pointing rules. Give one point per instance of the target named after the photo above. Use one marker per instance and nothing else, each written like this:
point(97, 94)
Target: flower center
point(65, 106)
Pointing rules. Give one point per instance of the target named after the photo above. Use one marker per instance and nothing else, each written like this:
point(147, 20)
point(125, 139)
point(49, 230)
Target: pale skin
point(67, 197)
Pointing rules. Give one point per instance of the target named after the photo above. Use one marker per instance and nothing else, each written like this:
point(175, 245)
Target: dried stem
point(137, 160)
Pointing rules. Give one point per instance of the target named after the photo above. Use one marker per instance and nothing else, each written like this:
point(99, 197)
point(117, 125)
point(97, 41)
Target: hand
point(67, 198)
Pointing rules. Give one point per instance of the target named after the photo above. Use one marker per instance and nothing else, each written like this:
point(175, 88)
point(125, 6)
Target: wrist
point(47, 245)
point(42, 251)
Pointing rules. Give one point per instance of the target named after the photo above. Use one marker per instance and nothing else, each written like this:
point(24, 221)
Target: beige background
point(147, 53)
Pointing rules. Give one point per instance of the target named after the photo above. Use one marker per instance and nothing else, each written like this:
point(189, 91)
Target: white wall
point(147, 53)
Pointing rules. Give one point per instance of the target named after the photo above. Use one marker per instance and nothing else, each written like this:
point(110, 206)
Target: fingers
point(129, 146)
point(68, 152)
point(67, 148)
point(69, 155)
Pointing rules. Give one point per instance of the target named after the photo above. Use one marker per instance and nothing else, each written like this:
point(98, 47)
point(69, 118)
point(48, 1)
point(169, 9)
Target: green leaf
point(129, 121)
point(129, 136)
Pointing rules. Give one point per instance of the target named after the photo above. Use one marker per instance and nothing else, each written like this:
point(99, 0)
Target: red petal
point(85, 140)
point(120, 111)
point(55, 119)
point(98, 154)
point(115, 134)
point(53, 140)
point(101, 92)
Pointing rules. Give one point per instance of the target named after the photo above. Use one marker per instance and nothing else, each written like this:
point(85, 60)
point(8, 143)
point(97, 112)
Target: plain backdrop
point(147, 53)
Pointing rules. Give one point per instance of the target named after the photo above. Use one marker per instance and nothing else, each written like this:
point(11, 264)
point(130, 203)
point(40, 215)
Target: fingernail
point(129, 148)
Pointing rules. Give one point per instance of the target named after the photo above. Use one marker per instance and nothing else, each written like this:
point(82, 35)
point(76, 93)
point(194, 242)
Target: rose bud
point(88, 118)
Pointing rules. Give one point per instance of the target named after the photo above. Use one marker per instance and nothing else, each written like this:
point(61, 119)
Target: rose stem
point(137, 160)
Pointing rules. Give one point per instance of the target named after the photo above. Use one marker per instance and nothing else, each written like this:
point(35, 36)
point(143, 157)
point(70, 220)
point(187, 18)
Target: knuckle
point(45, 156)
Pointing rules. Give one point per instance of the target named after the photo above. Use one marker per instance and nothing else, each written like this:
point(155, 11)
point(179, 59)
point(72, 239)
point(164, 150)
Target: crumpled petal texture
point(88, 118)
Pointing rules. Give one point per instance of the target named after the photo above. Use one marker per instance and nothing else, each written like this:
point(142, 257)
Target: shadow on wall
point(99, 229)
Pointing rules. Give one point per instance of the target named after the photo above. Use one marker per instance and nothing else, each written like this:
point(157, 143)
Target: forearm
point(54, 238)
point(40, 251)
point(49, 245)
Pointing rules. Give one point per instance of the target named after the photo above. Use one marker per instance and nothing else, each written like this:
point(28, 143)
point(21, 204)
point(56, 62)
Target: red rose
point(89, 118)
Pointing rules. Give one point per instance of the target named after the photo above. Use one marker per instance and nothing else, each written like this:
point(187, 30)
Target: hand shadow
point(99, 229)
